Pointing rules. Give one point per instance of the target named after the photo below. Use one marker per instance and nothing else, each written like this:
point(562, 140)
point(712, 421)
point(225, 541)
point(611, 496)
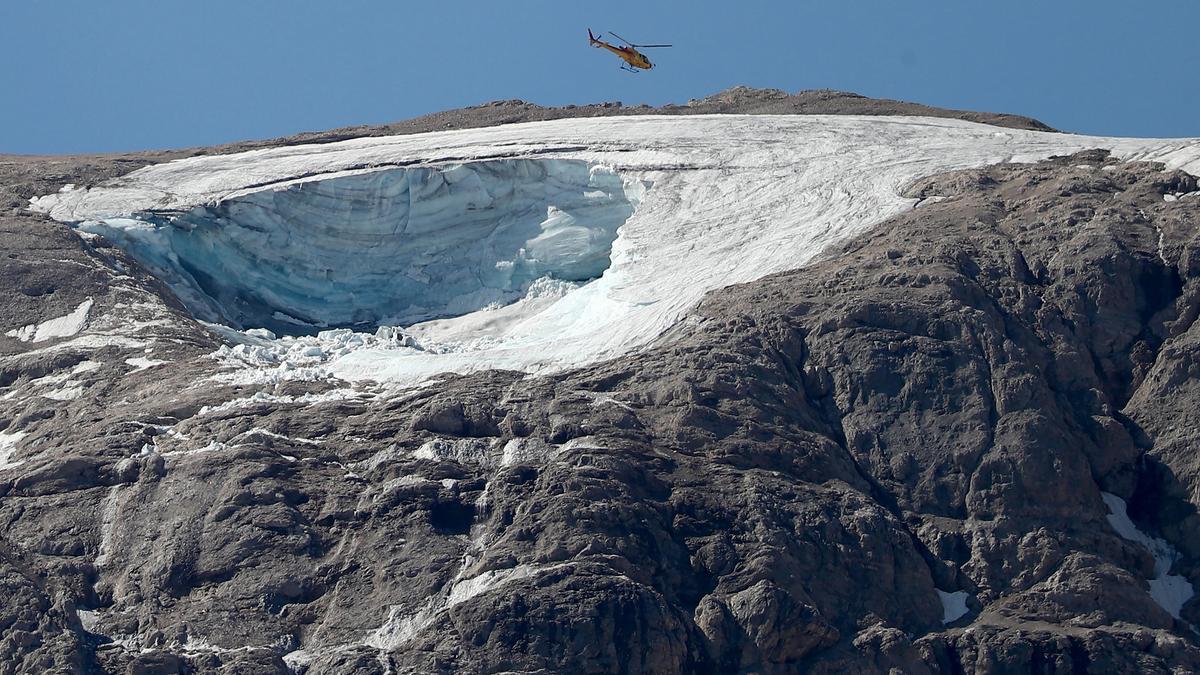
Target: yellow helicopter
point(629, 53)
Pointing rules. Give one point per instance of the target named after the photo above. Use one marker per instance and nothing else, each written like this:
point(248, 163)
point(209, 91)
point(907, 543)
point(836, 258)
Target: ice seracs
point(720, 199)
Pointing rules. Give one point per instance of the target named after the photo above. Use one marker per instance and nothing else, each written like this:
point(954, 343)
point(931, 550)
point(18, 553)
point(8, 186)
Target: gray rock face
point(792, 483)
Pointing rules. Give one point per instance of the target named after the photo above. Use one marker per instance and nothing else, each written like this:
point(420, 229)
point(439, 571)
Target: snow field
point(1170, 591)
point(720, 200)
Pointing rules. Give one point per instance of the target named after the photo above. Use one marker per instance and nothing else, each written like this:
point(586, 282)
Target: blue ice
point(395, 246)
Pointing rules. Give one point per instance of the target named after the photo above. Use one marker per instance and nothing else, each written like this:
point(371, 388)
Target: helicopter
point(629, 53)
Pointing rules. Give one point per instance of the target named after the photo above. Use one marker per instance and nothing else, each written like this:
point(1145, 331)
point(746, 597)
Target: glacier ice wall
point(393, 246)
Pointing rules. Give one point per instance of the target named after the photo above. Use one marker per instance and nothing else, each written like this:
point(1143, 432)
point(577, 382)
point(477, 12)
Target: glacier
point(596, 237)
point(392, 247)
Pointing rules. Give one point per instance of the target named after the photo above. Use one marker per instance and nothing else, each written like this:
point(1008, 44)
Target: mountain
point(766, 382)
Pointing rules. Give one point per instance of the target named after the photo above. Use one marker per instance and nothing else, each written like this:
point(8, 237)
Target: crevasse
point(394, 246)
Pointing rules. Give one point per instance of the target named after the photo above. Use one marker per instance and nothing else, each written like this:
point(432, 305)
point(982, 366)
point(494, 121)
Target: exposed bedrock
point(903, 457)
point(391, 246)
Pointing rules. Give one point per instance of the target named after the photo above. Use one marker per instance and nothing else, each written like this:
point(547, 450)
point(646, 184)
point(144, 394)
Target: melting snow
point(1170, 591)
point(63, 326)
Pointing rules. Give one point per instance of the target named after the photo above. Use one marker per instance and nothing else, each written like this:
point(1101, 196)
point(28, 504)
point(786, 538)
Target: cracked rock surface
point(792, 481)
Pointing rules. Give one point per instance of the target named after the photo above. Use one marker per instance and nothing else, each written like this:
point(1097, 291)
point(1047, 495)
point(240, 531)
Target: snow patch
point(140, 363)
point(1170, 591)
point(68, 393)
point(297, 660)
point(466, 589)
point(63, 326)
point(8, 445)
point(954, 605)
point(86, 367)
point(525, 451)
point(90, 343)
point(48, 380)
point(399, 627)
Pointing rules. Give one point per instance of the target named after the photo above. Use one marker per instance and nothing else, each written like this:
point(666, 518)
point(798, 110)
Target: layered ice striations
point(394, 246)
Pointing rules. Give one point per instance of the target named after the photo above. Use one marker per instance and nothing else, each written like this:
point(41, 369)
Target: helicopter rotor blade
point(632, 44)
point(621, 39)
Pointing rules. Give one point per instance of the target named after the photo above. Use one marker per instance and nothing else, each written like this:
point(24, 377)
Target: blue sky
point(84, 76)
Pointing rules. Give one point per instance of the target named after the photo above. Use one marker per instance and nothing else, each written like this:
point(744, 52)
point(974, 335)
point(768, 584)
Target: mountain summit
point(762, 383)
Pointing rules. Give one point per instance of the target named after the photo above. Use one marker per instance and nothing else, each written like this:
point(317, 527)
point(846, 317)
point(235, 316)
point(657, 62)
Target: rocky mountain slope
point(915, 454)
